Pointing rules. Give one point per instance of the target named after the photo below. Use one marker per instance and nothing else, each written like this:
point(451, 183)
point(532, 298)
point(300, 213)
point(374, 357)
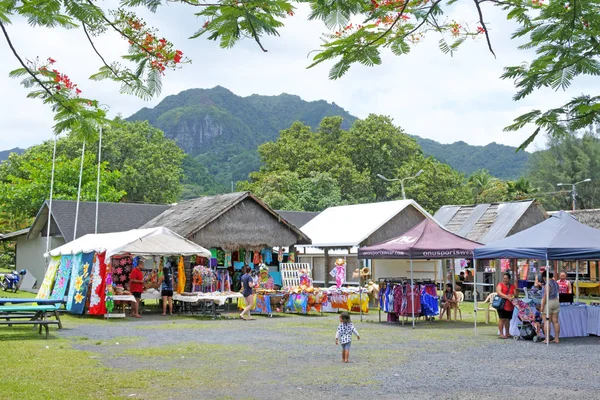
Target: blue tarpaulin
point(560, 237)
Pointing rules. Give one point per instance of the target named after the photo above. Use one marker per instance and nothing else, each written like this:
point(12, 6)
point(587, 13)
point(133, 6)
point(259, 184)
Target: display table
point(124, 298)
point(593, 320)
point(575, 321)
point(588, 287)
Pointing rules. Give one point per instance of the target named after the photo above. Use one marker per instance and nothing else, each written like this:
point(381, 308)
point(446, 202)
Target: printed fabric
point(122, 267)
point(75, 272)
point(46, 288)
point(82, 283)
point(227, 262)
point(298, 303)
point(62, 278)
point(97, 296)
point(180, 276)
point(108, 289)
point(345, 331)
point(267, 255)
point(256, 258)
point(263, 304)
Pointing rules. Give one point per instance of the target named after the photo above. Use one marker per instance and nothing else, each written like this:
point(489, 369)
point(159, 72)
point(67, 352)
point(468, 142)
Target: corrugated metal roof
point(347, 226)
point(483, 223)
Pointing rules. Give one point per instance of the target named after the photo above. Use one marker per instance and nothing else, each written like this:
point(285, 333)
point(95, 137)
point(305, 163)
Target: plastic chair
point(460, 297)
point(489, 309)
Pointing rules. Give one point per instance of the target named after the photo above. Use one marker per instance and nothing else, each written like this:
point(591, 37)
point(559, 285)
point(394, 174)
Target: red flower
point(77, 91)
point(57, 87)
point(51, 60)
point(205, 25)
point(480, 29)
point(290, 13)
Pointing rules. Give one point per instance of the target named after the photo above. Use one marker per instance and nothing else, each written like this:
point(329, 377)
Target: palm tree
point(520, 189)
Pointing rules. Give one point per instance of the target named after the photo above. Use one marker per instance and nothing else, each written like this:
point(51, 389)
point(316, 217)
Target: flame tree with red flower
point(564, 34)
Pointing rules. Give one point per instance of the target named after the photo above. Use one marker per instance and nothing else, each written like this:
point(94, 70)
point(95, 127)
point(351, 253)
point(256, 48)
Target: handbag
point(498, 302)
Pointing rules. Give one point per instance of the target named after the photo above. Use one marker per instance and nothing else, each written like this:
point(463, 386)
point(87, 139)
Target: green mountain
point(222, 131)
point(501, 161)
point(4, 154)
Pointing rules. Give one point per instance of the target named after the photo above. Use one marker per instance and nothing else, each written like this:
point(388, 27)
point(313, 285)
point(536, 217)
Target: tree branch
point(384, 34)
point(487, 35)
point(97, 52)
point(254, 34)
point(34, 76)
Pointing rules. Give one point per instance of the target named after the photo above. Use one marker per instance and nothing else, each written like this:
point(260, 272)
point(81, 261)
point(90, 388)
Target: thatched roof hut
point(230, 221)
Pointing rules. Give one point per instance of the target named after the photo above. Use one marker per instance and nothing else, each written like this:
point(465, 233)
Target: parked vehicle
point(12, 281)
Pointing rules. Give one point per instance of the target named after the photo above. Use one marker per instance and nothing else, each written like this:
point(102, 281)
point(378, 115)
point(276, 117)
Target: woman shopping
point(506, 291)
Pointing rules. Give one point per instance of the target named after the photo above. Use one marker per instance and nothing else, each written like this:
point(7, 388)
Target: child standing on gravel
point(344, 335)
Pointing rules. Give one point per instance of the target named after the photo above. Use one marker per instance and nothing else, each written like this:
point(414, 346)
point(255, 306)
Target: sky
point(427, 93)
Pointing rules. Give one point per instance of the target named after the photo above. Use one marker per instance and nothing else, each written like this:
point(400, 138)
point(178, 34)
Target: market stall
point(426, 240)
point(92, 272)
point(560, 237)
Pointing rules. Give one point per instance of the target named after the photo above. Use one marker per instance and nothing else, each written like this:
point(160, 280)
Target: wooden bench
point(35, 315)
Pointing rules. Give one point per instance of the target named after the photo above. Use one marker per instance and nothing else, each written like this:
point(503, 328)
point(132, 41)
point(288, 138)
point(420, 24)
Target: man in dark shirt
point(247, 285)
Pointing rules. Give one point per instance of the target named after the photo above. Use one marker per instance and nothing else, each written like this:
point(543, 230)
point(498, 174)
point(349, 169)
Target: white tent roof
point(145, 242)
point(347, 226)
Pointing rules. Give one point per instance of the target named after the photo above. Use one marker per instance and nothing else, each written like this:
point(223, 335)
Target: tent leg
point(547, 301)
point(475, 292)
point(412, 285)
point(577, 279)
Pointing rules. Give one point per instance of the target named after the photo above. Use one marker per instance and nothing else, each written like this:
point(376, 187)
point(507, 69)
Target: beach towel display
point(180, 276)
point(62, 278)
point(97, 296)
point(82, 283)
point(46, 288)
point(75, 267)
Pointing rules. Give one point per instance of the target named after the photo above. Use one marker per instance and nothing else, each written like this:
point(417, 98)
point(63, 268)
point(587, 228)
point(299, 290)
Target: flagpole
point(98, 181)
point(79, 190)
point(51, 193)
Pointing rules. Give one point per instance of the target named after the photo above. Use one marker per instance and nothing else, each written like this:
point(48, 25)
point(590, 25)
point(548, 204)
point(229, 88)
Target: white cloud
point(426, 92)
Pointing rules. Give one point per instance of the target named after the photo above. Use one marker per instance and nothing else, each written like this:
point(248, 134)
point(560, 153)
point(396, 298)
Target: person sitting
point(449, 300)
point(564, 286)
point(461, 276)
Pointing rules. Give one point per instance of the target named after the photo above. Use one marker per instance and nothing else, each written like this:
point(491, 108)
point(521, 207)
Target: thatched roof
point(587, 217)
point(230, 221)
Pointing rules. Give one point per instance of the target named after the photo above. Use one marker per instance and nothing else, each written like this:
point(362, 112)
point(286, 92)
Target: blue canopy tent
point(560, 237)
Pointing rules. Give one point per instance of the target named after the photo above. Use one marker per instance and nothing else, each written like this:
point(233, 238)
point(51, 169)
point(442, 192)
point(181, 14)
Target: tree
point(567, 160)
point(564, 37)
point(311, 170)
point(520, 189)
point(438, 185)
point(24, 182)
point(139, 165)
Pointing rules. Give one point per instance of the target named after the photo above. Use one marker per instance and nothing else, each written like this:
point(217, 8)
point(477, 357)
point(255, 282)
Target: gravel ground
point(295, 357)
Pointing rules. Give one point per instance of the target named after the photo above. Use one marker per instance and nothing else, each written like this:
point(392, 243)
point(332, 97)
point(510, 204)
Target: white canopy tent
point(142, 242)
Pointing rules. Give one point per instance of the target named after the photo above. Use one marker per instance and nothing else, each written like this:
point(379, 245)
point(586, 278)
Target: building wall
point(30, 255)
point(247, 225)
point(422, 269)
point(533, 216)
point(317, 263)
point(401, 223)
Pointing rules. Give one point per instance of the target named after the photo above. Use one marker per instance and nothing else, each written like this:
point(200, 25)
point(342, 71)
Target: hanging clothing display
point(256, 258)
point(228, 260)
point(397, 299)
point(97, 305)
point(109, 291)
point(280, 255)
point(49, 278)
point(248, 257)
point(267, 255)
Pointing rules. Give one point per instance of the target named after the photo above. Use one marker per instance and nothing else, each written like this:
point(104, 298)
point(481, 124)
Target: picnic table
point(24, 312)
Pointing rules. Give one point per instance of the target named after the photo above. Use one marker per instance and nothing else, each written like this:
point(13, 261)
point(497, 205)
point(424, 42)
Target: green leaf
point(529, 140)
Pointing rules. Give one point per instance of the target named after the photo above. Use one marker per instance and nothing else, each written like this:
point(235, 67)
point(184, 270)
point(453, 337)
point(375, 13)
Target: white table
point(120, 297)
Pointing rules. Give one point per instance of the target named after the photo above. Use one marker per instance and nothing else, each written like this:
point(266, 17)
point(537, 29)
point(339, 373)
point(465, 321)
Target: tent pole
point(79, 190)
point(577, 279)
point(412, 284)
point(475, 292)
point(548, 301)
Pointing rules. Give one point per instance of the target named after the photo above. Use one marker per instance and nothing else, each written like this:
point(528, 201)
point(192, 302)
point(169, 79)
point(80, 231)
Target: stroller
point(527, 321)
